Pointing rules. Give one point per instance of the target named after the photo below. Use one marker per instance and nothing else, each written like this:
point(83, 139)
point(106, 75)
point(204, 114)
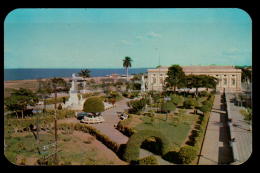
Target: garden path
point(216, 149)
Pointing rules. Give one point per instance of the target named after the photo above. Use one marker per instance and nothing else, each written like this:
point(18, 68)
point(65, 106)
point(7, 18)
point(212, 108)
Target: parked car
point(123, 116)
point(81, 115)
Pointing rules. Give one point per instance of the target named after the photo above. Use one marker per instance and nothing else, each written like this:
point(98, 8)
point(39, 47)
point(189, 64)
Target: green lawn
point(176, 128)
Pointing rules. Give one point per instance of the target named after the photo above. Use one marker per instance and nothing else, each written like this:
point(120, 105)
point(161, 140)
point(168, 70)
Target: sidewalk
point(216, 149)
point(240, 131)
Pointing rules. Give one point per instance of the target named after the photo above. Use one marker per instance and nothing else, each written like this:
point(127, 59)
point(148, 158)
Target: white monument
point(143, 84)
point(74, 102)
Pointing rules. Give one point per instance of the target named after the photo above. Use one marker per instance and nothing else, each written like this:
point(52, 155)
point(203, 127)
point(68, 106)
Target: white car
point(123, 116)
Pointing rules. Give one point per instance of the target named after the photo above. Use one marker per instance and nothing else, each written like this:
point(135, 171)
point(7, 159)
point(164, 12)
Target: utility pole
point(56, 139)
point(37, 127)
point(55, 127)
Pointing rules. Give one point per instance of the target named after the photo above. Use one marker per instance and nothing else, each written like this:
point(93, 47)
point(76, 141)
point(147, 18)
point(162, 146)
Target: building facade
point(228, 76)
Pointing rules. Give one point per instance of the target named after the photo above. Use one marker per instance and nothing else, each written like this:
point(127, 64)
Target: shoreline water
point(31, 74)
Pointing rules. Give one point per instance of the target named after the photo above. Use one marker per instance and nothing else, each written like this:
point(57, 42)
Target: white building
point(229, 77)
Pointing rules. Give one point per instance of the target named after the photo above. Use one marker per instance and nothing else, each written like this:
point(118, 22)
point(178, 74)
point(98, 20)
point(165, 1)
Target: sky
point(101, 38)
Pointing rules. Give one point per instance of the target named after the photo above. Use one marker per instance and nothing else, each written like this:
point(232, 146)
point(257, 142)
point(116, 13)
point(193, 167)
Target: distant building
point(229, 77)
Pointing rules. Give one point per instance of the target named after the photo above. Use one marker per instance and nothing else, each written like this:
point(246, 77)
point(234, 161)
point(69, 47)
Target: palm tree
point(127, 64)
point(84, 73)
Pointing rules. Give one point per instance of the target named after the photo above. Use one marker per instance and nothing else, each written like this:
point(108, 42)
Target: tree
point(176, 99)
point(84, 73)
point(19, 100)
point(94, 105)
point(205, 108)
point(246, 73)
point(168, 107)
point(127, 63)
point(56, 85)
point(209, 82)
point(191, 103)
point(43, 91)
point(136, 105)
point(175, 77)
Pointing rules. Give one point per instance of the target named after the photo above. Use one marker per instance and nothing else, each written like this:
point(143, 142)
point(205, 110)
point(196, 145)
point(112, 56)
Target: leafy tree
point(136, 105)
point(205, 108)
point(209, 81)
point(191, 103)
point(84, 73)
point(175, 77)
point(176, 99)
point(168, 107)
point(246, 73)
point(44, 89)
point(19, 100)
point(56, 85)
point(93, 105)
point(127, 63)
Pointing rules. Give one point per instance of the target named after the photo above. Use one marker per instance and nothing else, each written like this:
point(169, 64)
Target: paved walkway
point(107, 127)
point(240, 131)
point(111, 118)
point(216, 149)
point(145, 153)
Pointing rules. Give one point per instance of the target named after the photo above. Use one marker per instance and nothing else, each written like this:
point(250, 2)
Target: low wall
point(230, 124)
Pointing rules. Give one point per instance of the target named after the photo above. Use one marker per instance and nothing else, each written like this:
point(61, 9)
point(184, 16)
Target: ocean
point(23, 74)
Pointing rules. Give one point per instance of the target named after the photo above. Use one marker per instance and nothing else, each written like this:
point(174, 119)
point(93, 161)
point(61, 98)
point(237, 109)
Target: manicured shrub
point(187, 154)
point(176, 99)
point(59, 107)
point(189, 103)
point(153, 145)
point(168, 107)
point(149, 160)
point(204, 94)
point(172, 156)
point(135, 141)
point(94, 105)
point(205, 108)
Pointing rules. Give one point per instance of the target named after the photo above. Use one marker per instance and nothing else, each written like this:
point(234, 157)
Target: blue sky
point(101, 38)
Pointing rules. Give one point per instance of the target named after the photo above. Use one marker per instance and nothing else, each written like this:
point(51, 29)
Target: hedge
point(135, 141)
point(149, 160)
point(187, 154)
point(58, 100)
point(122, 126)
point(44, 120)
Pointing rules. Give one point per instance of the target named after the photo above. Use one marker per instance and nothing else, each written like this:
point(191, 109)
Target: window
point(225, 81)
point(233, 82)
point(154, 80)
point(161, 80)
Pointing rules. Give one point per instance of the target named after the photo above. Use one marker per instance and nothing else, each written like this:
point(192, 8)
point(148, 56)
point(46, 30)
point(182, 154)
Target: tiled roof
point(198, 69)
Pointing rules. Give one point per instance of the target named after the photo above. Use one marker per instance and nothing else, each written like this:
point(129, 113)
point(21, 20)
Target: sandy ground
point(77, 145)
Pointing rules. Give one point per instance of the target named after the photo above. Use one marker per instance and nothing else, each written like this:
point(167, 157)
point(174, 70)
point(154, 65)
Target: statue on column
point(143, 84)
